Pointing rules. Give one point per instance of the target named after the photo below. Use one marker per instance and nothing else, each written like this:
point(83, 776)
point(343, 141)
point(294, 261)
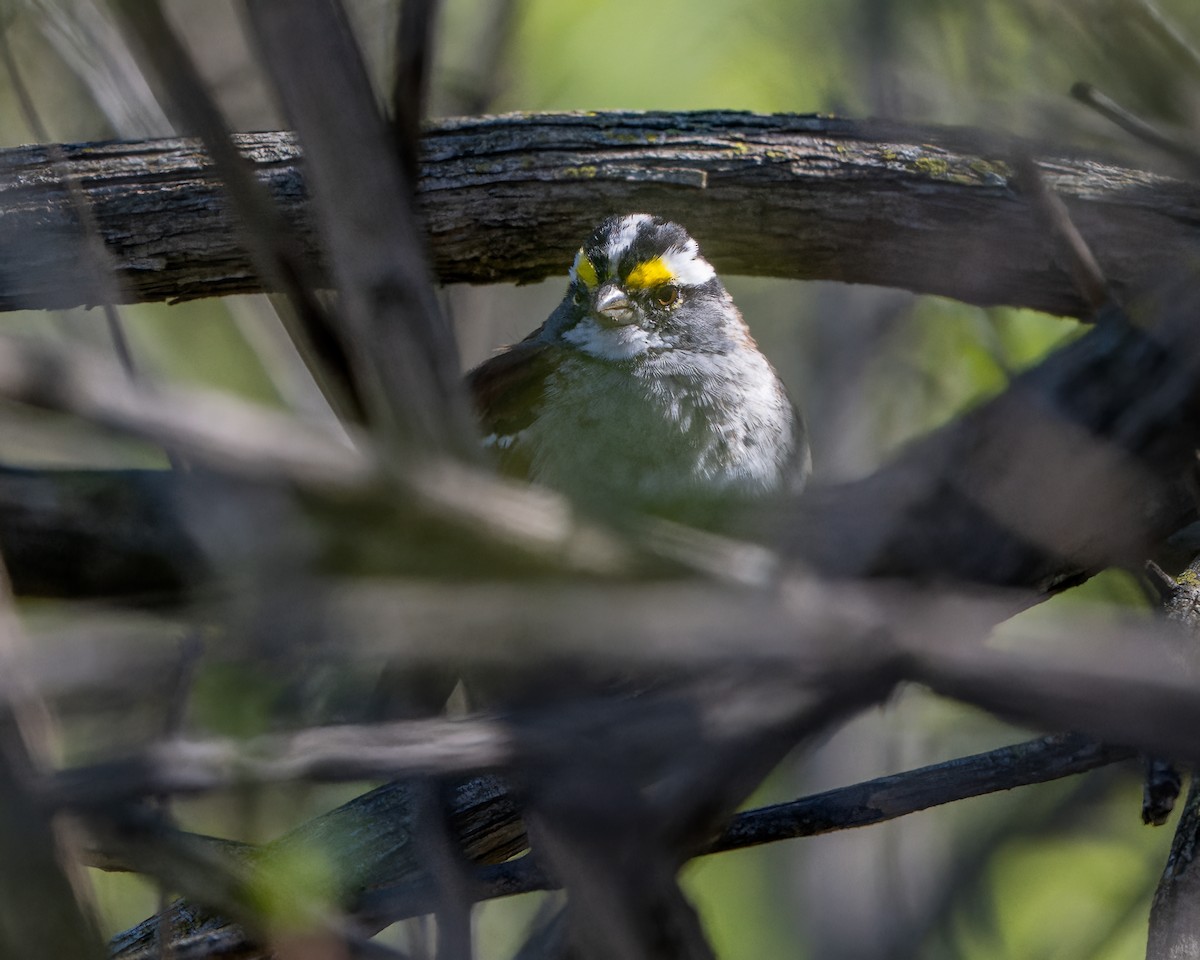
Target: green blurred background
point(1064, 870)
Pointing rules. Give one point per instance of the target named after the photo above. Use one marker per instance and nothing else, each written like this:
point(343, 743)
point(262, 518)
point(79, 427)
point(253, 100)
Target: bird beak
point(612, 307)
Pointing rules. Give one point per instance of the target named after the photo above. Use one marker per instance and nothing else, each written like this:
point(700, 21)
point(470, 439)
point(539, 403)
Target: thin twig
point(1166, 33)
point(210, 427)
point(413, 62)
point(48, 881)
point(349, 753)
point(403, 350)
point(88, 43)
point(178, 694)
point(476, 91)
point(99, 263)
point(1089, 279)
point(277, 254)
point(870, 802)
point(1168, 143)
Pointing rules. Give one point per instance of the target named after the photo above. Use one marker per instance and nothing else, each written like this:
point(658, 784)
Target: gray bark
point(935, 210)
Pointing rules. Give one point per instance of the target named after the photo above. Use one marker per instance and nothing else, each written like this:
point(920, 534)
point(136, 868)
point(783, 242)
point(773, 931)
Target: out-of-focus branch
point(413, 62)
point(1165, 32)
point(1081, 464)
point(1170, 144)
point(276, 252)
point(1081, 262)
point(874, 801)
point(810, 640)
point(885, 798)
point(926, 209)
point(145, 529)
point(40, 912)
point(218, 430)
point(403, 351)
point(345, 753)
point(370, 841)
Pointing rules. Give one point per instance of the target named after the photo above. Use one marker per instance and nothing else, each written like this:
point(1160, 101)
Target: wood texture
point(372, 836)
point(509, 198)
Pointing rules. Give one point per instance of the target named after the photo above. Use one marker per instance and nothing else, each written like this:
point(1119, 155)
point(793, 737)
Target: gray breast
point(640, 432)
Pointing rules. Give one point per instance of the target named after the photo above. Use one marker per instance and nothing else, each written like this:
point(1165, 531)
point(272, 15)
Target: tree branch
point(403, 351)
point(927, 209)
point(873, 801)
point(274, 252)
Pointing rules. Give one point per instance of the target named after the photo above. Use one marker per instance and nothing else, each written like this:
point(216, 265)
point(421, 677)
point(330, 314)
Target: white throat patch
point(613, 343)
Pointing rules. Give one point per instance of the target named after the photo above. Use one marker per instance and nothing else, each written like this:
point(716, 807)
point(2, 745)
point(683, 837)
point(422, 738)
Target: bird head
point(639, 284)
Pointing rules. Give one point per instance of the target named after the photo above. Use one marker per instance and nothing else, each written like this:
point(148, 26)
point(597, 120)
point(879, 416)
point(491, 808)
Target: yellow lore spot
point(649, 273)
point(585, 270)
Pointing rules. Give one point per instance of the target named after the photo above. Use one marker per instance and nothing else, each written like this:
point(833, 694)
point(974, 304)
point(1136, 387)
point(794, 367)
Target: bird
point(643, 389)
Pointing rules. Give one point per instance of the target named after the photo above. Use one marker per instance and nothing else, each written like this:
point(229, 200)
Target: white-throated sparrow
point(644, 387)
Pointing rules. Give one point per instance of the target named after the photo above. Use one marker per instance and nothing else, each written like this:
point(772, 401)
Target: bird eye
point(666, 294)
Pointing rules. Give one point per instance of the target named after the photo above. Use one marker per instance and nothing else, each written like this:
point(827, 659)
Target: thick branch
point(508, 198)
point(1079, 465)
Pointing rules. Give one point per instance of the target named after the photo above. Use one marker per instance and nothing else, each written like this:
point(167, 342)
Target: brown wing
point(507, 391)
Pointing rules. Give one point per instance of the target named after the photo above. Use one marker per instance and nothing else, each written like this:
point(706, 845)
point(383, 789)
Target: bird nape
point(643, 390)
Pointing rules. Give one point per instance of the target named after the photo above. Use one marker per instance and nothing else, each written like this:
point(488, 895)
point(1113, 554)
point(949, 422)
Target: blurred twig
point(403, 351)
point(475, 89)
point(1008, 495)
point(345, 753)
point(213, 428)
point(90, 44)
point(1165, 32)
point(873, 801)
point(40, 912)
point(98, 263)
point(274, 247)
point(410, 86)
point(370, 840)
point(1146, 705)
point(1089, 278)
point(1131, 123)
